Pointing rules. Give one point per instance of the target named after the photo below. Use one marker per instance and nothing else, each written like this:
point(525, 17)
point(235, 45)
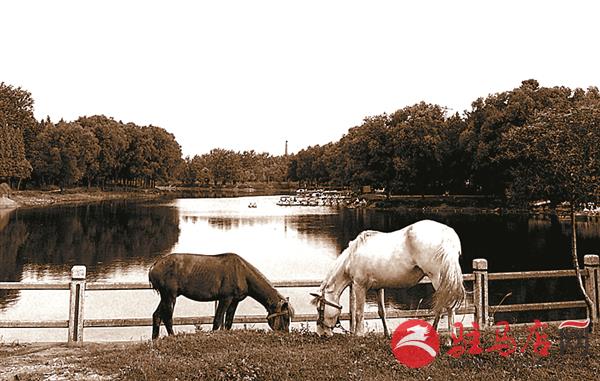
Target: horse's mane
point(360, 239)
point(260, 276)
point(342, 259)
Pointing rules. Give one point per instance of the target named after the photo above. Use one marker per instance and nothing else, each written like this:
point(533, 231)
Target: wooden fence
point(479, 307)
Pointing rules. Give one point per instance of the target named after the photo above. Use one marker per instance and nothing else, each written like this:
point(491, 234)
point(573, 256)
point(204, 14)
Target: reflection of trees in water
point(343, 227)
point(12, 236)
point(5, 217)
point(192, 219)
point(586, 227)
point(89, 235)
point(228, 223)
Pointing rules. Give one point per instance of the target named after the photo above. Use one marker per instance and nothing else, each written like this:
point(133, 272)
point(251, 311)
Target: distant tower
point(286, 153)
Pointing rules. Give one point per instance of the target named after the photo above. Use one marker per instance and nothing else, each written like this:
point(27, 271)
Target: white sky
point(250, 74)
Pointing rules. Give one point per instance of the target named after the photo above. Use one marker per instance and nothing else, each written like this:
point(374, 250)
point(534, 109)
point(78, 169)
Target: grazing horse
point(227, 278)
point(400, 259)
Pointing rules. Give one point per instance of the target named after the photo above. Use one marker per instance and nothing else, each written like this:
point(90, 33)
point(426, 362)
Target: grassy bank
point(32, 198)
point(261, 355)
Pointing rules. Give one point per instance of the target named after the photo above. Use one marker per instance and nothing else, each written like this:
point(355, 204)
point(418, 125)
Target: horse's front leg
point(220, 313)
point(381, 310)
point(360, 297)
point(230, 313)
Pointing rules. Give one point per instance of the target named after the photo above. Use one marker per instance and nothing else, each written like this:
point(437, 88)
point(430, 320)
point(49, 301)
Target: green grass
point(265, 355)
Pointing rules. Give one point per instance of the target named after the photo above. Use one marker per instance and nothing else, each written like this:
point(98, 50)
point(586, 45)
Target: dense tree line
point(221, 167)
point(530, 142)
point(98, 151)
point(412, 150)
point(93, 150)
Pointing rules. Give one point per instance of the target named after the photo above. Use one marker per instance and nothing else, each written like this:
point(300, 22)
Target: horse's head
point(280, 316)
point(328, 313)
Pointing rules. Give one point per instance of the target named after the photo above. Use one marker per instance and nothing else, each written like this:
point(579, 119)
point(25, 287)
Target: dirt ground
point(49, 361)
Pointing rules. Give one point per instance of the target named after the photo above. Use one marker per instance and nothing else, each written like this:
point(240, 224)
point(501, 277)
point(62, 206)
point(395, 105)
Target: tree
point(16, 115)
point(113, 142)
point(420, 139)
point(496, 115)
point(224, 165)
point(455, 164)
point(333, 162)
point(249, 161)
point(36, 149)
point(274, 167)
point(308, 165)
point(368, 153)
point(69, 154)
point(136, 161)
point(166, 155)
point(557, 156)
point(196, 171)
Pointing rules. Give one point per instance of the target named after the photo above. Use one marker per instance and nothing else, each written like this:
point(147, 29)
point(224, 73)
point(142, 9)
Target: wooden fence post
point(76, 305)
point(480, 292)
point(592, 285)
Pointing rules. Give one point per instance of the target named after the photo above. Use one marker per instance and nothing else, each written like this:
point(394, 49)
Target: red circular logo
point(415, 343)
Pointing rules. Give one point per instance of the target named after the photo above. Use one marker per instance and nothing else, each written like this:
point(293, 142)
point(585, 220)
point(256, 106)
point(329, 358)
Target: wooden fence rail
point(479, 307)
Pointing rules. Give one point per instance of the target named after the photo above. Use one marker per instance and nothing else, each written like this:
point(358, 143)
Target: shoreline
point(40, 199)
point(28, 199)
point(467, 205)
point(37, 198)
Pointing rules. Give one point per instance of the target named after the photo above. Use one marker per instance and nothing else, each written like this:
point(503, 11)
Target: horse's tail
point(153, 274)
point(451, 290)
point(152, 278)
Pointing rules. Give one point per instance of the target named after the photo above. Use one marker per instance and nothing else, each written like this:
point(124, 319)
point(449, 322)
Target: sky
point(246, 75)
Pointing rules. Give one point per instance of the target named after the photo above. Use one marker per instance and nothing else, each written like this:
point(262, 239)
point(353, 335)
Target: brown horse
point(227, 278)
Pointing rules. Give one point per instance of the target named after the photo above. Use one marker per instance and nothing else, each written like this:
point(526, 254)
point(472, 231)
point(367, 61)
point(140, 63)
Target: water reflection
point(48, 242)
point(284, 243)
point(12, 236)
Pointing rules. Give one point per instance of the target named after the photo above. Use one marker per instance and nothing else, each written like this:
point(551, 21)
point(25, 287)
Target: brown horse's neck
point(261, 290)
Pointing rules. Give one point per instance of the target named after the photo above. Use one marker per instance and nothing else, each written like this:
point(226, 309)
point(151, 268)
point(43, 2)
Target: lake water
point(118, 241)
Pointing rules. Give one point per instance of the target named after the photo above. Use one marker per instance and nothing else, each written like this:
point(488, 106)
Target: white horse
point(400, 259)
